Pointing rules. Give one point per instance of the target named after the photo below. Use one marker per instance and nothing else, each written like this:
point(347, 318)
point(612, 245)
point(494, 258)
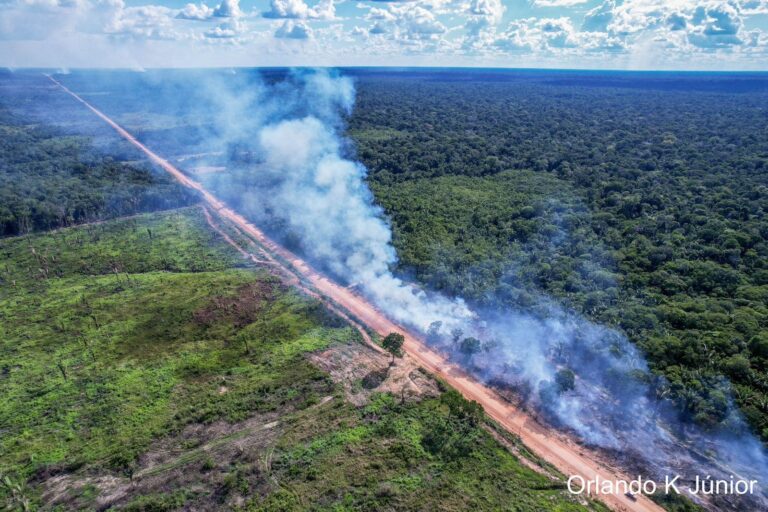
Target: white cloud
point(677, 27)
point(716, 26)
point(493, 9)
point(228, 9)
point(114, 19)
point(291, 29)
point(515, 38)
point(539, 34)
point(677, 23)
point(553, 36)
point(287, 9)
point(147, 22)
point(222, 31)
point(483, 15)
point(298, 9)
point(413, 22)
point(376, 14)
point(195, 12)
point(434, 31)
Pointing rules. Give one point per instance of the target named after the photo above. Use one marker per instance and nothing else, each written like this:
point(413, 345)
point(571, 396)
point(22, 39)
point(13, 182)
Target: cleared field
point(146, 367)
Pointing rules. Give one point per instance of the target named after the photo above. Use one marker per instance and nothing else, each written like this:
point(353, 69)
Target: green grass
point(96, 363)
point(355, 459)
point(119, 337)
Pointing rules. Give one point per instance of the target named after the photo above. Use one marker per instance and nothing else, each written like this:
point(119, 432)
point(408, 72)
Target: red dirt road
point(569, 458)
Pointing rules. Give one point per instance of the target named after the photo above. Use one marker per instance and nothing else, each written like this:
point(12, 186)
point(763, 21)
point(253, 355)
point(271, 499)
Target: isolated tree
point(393, 342)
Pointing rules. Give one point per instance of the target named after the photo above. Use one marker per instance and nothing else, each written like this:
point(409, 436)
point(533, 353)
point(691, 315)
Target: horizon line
point(56, 69)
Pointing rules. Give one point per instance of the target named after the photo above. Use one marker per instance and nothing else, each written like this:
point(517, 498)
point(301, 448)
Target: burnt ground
point(363, 371)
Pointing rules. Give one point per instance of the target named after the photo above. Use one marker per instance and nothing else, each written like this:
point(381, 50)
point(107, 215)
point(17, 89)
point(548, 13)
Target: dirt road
point(567, 457)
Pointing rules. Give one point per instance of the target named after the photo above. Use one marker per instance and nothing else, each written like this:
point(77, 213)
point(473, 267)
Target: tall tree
point(393, 342)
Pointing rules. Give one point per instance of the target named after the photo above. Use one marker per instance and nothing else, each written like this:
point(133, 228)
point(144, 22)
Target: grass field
point(144, 366)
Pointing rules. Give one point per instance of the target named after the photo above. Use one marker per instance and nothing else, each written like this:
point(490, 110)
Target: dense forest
point(53, 175)
point(639, 200)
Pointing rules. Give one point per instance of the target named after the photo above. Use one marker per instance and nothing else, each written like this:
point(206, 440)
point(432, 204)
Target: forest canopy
point(52, 177)
point(637, 199)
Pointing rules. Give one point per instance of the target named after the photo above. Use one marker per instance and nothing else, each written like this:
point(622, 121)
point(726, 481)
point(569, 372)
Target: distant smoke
point(291, 171)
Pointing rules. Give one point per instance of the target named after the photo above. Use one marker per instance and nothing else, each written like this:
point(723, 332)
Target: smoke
point(303, 185)
point(290, 169)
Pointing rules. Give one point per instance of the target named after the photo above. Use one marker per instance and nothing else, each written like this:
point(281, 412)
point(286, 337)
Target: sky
point(592, 34)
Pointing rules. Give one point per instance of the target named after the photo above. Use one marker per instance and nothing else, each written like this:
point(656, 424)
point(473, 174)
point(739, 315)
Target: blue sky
point(617, 34)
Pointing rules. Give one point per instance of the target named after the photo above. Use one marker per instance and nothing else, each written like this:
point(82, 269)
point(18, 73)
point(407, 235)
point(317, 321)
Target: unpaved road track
point(569, 458)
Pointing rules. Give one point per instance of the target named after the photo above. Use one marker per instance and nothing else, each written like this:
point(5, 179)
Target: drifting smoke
point(304, 185)
point(326, 202)
point(289, 169)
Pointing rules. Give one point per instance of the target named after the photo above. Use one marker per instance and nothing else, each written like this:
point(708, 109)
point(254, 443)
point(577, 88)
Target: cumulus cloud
point(715, 26)
point(493, 9)
point(652, 29)
point(380, 14)
point(226, 9)
point(114, 19)
point(298, 9)
point(413, 22)
point(147, 22)
point(221, 32)
point(515, 38)
point(540, 34)
point(291, 29)
point(682, 25)
point(228, 30)
point(195, 12)
point(483, 15)
point(418, 23)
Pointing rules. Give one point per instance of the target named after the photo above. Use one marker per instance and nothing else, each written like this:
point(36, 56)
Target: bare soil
point(363, 371)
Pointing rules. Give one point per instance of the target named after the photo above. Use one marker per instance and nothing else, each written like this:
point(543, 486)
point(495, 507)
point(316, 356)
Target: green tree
point(393, 342)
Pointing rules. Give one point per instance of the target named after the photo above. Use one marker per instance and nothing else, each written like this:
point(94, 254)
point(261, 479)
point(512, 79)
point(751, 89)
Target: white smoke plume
point(304, 180)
